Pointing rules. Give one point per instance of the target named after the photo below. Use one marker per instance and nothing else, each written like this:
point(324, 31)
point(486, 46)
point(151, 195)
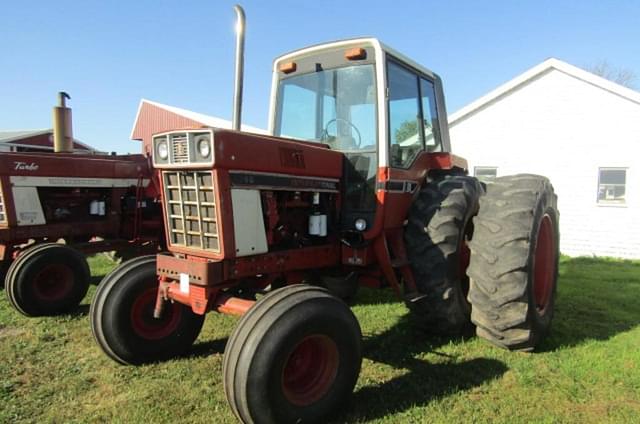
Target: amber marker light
point(288, 67)
point(357, 53)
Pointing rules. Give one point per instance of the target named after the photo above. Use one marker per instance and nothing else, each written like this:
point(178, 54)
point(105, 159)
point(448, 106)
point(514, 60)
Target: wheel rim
point(544, 265)
point(143, 322)
point(310, 370)
point(53, 282)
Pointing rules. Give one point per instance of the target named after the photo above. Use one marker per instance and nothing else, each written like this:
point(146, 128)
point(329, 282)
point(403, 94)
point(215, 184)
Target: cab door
point(414, 131)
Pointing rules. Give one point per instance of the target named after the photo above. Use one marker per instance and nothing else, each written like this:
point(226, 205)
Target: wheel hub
point(310, 370)
point(143, 322)
point(53, 282)
point(544, 265)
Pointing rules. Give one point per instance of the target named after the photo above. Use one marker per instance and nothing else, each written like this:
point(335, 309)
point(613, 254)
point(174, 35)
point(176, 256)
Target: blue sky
point(109, 54)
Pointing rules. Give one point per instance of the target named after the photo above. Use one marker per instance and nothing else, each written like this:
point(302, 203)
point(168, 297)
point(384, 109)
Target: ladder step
point(399, 262)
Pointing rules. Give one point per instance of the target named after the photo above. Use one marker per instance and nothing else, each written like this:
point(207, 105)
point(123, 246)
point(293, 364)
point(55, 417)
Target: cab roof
point(379, 47)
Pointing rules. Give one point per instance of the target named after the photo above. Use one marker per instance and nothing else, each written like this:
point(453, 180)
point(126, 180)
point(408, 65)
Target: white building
point(580, 130)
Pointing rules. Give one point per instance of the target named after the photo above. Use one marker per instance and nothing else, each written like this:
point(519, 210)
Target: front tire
point(294, 357)
point(514, 262)
point(47, 279)
point(122, 319)
point(4, 267)
point(436, 236)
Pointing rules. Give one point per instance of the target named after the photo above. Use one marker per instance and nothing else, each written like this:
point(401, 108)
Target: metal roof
point(529, 75)
point(9, 136)
point(12, 136)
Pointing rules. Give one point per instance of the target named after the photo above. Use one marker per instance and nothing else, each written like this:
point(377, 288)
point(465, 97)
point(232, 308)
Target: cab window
point(404, 116)
point(430, 116)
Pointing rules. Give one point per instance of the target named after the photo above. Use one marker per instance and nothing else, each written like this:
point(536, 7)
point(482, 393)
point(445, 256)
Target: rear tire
point(436, 235)
point(295, 356)
point(514, 262)
point(47, 279)
point(122, 316)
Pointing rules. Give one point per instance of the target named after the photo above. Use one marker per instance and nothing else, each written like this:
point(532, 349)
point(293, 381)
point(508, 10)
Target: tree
point(409, 129)
point(406, 130)
point(622, 76)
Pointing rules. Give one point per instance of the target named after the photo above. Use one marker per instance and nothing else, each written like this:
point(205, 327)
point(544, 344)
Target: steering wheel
point(325, 131)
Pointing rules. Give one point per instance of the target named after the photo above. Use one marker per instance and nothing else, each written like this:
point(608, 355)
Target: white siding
point(565, 128)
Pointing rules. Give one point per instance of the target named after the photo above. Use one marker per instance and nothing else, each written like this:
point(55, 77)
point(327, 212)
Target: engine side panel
point(248, 224)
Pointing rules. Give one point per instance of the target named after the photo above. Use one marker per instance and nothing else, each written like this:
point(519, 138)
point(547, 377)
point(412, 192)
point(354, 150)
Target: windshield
point(333, 106)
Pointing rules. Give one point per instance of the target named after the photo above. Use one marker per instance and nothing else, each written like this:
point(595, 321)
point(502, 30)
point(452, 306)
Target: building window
point(611, 186)
point(485, 173)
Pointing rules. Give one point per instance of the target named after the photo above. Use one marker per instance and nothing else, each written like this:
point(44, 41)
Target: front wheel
point(47, 279)
point(4, 267)
point(294, 357)
point(122, 319)
point(514, 262)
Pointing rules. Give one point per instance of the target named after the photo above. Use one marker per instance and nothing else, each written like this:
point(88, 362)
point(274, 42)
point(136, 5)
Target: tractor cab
point(367, 101)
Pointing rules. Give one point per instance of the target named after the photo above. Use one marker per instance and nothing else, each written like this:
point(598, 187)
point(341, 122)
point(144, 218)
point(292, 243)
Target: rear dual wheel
point(122, 319)
point(439, 226)
point(47, 279)
point(295, 356)
point(514, 262)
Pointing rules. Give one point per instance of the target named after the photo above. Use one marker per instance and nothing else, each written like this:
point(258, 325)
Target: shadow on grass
point(206, 348)
point(80, 311)
point(96, 279)
point(369, 296)
point(423, 382)
point(597, 299)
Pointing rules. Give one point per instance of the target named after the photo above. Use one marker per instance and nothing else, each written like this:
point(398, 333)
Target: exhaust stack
point(237, 95)
point(62, 127)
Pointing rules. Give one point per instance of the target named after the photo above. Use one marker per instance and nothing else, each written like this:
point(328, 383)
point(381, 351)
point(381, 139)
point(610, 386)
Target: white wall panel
point(565, 128)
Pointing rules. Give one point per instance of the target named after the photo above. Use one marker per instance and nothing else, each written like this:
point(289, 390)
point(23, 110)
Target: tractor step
point(414, 297)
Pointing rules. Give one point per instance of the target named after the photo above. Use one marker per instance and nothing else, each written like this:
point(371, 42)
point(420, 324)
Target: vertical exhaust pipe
point(237, 95)
point(62, 128)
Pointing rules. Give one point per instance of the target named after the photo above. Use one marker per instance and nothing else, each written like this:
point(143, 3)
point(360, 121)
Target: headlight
point(204, 147)
point(163, 150)
point(360, 224)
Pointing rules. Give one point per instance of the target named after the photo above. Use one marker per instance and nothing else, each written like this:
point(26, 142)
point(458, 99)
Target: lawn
point(588, 370)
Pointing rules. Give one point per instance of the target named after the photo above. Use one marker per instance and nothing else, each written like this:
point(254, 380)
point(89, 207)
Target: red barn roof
point(154, 118)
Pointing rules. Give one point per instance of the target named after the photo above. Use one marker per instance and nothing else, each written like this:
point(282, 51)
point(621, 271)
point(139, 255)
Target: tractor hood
point(234, 150)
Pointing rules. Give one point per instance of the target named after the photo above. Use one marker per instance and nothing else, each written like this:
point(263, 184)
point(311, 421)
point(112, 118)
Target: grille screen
point(191, 209)
point(3, 211)
point(180, 145)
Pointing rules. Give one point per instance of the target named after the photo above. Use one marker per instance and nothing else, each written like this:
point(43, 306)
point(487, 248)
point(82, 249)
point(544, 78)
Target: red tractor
point(95, 203)
point(356, 185)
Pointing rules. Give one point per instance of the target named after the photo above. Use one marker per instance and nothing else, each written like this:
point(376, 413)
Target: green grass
point(586, 371)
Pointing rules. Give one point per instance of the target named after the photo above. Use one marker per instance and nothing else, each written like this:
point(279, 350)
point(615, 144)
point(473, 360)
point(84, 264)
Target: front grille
point(3, 211)
point(180, 146)
point(191, 209)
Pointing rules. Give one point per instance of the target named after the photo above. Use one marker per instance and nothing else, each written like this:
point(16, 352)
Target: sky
point(109, 54)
